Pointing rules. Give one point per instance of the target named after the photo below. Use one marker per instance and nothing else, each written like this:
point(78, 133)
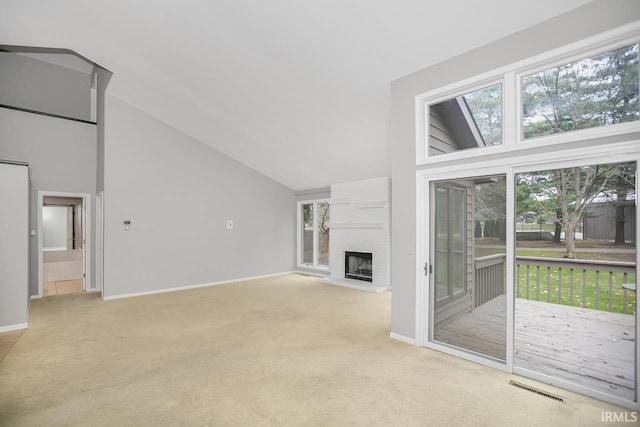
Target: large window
point(598, 91)
point(313, 234)
point(548, 99)
point(471, 120)
point(526, 256)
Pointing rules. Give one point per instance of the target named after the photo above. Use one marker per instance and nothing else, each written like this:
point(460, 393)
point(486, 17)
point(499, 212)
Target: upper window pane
point(597, 91)
point(467, 121)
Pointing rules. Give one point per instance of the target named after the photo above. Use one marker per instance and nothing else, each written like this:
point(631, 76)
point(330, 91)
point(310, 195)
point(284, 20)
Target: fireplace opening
point(358, 265)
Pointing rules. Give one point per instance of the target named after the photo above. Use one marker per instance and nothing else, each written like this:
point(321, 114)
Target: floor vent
point(537, 391)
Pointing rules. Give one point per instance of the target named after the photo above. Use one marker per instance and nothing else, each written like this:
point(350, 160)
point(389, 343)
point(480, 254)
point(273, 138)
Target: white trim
point(315, 240)
point(347, 283)
point(310, 273)
point(511, 75)
point(87, 249)
point(421, 257)
point(187, 287)
point(402, 338)
point(15, 327)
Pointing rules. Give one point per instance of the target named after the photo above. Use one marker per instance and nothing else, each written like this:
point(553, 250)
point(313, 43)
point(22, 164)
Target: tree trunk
point(324, 248)
point(569, 239)
point(619, 238)
point(621, 196)
point(558, 229)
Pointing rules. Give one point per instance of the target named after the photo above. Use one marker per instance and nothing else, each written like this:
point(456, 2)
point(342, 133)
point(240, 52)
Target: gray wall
point(62, 157)
point(37, 85)
point(178, 194)
point(586, 21)
point(14, 229)
point(104, 77)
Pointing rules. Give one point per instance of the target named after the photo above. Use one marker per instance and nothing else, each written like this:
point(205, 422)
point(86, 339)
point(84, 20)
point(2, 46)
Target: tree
point(597, 91)
point(570, 191)
point(323, 226)
point(623, 187)
point(486, 108)
point(490, 205)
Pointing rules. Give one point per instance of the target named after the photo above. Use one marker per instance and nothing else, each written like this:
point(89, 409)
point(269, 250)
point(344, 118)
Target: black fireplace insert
point(358, 266)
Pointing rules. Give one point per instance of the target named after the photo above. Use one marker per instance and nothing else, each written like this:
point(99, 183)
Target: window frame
point(315, 239)
point(510, 76)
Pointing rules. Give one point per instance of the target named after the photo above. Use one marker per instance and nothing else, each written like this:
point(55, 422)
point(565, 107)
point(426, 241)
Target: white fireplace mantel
point(360, 223)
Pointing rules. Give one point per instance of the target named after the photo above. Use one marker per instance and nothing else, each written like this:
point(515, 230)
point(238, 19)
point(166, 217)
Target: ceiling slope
point(297, 90)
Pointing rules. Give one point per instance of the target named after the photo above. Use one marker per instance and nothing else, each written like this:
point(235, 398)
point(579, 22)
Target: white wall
point(54, 228)
point(589, 20)
point(62, 157)
point(178, 194)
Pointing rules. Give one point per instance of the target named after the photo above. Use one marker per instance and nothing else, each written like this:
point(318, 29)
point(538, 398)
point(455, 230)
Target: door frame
point(425, 293)
point(87, 255)
point(316, 236)
point(617, 153)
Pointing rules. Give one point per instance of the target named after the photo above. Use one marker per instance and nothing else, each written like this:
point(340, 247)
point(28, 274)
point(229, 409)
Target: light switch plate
point(229, 224)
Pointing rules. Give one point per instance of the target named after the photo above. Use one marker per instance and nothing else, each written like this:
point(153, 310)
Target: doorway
point(64, 240)
point(531, 269)
point(468, 253)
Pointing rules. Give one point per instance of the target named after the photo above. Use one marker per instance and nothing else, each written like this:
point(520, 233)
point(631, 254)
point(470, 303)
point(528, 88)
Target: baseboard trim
point(402, 338)
point(349, 284)
point(14, 327)
point(202, 285)
point(37, 296)
point(310, 273)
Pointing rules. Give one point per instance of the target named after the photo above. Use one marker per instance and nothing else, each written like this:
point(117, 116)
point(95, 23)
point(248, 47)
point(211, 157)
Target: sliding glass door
point(533, 271)
point(467, 272)
point(575, 276)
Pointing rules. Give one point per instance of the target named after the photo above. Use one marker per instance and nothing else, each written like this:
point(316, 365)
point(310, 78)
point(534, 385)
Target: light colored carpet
point(283, 351)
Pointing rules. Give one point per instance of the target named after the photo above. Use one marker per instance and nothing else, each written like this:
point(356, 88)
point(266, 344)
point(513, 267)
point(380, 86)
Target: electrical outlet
point(229, 224)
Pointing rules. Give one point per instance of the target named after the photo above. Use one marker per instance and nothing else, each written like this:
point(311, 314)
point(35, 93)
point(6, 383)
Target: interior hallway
point(62, 287)
point(286, 350)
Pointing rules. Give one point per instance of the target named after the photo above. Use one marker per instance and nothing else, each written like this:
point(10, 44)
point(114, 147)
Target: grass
point(545, 284)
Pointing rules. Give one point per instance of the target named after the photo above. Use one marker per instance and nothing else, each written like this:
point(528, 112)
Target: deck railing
point(582, 283)
point(489, 278)
point(577, 282)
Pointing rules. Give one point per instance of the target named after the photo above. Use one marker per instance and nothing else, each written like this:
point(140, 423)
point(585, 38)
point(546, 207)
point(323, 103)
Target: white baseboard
point(310, 273)
point(353, 285)
point(14, 327)
point(184, 288)
point(402, 338)
point(37, 296)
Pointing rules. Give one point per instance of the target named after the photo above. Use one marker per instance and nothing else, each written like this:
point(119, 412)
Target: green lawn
point(547, 287)
point(544, 285)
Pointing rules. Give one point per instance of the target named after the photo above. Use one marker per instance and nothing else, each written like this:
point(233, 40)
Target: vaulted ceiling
point(296, 89)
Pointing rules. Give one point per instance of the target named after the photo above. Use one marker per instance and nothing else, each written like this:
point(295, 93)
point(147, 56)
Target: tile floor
point(64, 287)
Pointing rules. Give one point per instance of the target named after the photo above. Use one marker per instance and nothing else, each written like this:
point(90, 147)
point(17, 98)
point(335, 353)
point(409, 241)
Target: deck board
point(591, 348)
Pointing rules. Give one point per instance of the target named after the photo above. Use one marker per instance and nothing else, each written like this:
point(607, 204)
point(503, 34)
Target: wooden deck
point(591, 348)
